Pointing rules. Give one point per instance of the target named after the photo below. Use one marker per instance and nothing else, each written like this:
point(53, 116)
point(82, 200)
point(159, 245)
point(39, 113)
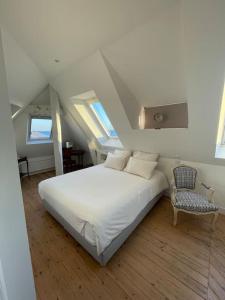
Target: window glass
point(40, 129)
point(103, 119)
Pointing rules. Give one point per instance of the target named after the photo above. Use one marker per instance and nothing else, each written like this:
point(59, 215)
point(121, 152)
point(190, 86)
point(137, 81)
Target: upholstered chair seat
point(191, 201)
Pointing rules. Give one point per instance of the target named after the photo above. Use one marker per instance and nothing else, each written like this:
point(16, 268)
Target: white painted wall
point(149, 59)
point(41, 156)
point(91, 74)
point(178, 55)
point(24, 78)
point(14, 249)
point(163, 70)
point(75, 29)
point(56, 131)
point(21, 127)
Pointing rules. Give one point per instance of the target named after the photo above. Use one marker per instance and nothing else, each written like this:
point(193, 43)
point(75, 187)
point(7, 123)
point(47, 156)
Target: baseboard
point(41, 171)
point(222, 210)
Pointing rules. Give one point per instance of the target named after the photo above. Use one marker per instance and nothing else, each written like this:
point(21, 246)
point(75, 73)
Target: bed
point(100, 206)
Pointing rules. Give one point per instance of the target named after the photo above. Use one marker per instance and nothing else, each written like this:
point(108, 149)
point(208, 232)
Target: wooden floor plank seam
point(157, 262)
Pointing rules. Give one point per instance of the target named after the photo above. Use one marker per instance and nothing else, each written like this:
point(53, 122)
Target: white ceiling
point(69, 30)
point(24, 79)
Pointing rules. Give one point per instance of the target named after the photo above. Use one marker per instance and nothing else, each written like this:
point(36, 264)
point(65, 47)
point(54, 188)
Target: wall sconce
point(166, 116)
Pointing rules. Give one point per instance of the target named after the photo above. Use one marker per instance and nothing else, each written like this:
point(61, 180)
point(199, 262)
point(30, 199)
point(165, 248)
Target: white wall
point(178, 55)
point(21, 128)
point(56, 131)
point(14, 249)
point(90, 74)
point(24, 78)
point(149, 59)
point(170, 59)
point(41, 156)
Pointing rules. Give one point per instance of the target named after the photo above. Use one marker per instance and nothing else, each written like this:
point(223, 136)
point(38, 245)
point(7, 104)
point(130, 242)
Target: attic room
point(113, 149)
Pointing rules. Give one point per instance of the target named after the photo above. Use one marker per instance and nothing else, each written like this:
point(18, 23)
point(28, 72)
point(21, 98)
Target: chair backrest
point(185, 177)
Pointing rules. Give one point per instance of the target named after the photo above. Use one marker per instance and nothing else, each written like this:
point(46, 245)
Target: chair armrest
point(173, 192)
point(209, 190)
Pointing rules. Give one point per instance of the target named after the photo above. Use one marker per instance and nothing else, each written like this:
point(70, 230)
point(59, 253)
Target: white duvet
point(99, 202)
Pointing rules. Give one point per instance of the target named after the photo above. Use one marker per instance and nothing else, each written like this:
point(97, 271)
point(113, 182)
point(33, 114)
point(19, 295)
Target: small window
point(40, 130)
point(103, 119)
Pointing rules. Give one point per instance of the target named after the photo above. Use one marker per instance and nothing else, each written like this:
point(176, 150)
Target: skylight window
point(94, 119)
point(103, 119)
point(40, 130)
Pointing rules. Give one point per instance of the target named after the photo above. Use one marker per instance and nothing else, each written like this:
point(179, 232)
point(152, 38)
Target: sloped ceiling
point(169, 59)
point(150, 59)
point(162, 51)
point(72, 29)
point(25, 80)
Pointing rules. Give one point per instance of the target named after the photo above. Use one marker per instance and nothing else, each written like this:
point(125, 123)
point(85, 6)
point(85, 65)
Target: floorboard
point(158, 261)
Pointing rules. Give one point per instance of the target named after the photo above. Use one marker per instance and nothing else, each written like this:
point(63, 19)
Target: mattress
point(99, 202)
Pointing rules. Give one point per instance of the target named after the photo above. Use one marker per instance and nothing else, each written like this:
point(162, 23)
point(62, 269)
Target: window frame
point(41, 140)
point(222, 142)
point(223, 138)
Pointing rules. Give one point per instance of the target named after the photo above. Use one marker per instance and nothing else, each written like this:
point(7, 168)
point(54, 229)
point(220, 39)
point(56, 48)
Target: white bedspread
point(99, 202)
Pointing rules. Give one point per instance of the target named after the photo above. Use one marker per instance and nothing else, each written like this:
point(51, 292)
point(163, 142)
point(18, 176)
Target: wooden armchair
point(186, 198)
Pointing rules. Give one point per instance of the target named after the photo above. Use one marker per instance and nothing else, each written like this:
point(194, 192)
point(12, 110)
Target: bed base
point(106, 255)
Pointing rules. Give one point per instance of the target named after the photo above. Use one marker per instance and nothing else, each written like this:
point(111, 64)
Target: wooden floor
point(158, 261)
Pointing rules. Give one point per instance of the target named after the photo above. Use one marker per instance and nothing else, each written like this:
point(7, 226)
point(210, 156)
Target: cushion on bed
point(140, 167)
point(146, 156)
point(115, 161)
point(123, 152)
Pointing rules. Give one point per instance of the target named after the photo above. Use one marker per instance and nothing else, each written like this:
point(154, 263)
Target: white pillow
point(123, 152)
point(140, 167)
point(146, 156)
point(115, 161)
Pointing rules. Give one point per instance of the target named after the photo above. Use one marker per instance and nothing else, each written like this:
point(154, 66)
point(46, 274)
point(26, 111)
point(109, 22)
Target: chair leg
point(214, 220)
point(175, 212)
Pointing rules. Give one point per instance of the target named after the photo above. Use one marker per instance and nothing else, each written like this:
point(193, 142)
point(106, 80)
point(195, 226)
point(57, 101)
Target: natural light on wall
point(220, 142)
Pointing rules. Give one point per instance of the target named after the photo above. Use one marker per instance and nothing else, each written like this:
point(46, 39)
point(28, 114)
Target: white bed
point(98, 202)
